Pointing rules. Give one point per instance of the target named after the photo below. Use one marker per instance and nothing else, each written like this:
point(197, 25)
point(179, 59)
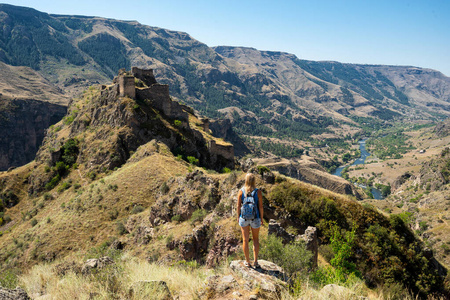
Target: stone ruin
point(158, 97)
point(156, 93)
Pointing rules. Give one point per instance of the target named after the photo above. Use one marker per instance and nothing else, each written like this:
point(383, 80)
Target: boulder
point(192, 246)
point(15, 294)
point(276, 229)
point(246, 164)
point(312, 244)
point(95, 263)
point(221, 284)
point(269, 278)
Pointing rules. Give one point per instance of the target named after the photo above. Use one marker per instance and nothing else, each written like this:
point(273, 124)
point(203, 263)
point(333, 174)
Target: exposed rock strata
point(23, 124)
point(309, 171)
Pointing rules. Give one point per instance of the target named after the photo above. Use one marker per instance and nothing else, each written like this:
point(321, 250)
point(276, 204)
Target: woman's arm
point(239, 204)
point(260, 204)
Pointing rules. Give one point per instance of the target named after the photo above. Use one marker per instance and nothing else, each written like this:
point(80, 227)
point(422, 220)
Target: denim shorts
point(255, 223)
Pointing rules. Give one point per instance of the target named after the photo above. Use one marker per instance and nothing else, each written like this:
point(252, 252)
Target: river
point(361, 160)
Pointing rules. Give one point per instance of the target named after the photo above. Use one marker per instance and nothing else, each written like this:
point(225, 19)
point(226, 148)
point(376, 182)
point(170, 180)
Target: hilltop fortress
point(156, 93)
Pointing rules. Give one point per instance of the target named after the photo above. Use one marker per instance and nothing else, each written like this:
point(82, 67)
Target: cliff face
point(22, 128)
point(307, 170)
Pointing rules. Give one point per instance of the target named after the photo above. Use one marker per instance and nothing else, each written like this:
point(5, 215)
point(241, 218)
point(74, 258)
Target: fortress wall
point(226, 152)
point(126, 86)
point(146, 76)
point(158, 94)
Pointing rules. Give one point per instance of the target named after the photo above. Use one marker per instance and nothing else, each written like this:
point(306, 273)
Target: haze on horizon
point(412, 33)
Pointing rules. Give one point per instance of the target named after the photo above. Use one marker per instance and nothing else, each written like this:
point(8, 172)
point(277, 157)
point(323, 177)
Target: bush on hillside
point(293, 257)
point(385, 250)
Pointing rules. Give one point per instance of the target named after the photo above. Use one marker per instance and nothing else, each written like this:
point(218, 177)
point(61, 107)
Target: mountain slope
point(109, 177)
point(219, 77)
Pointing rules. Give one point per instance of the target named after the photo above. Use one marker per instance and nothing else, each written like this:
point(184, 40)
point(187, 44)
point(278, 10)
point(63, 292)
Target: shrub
point(220, 208)
point(137, 209)
point(91, 175)
point(164, 188)
point(113, 214)
point(177, 123)
point(121, 230)
point(226, 170)
point(64, 186)
point(169, 239)
point(53, 182)
point(342, 248)
point(262, 169)
point(8, 279)
point(198, 216)
point(113, 187)
point(293, 257)
point(423, 225)
point(48, 196)
point(192, 160)
point(176, 218)
point(33, 222)
point(326, 251)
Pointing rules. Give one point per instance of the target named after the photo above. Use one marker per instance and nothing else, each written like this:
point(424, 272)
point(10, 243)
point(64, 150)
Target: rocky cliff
point(23, 123)
point(308, 170)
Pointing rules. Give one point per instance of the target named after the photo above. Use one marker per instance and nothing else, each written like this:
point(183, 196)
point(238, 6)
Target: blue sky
point(395, 32)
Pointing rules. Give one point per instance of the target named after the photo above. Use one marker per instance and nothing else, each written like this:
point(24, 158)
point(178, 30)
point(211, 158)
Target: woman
point(254, 223)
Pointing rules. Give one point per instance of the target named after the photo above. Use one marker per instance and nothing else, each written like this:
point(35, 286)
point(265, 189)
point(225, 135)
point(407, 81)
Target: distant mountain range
point(288, 98)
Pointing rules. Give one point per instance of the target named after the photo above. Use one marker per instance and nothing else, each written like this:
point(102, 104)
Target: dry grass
point(185, 281)
point(113, 282)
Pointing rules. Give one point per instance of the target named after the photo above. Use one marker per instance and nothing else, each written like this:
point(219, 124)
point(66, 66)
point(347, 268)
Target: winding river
point(361, 160)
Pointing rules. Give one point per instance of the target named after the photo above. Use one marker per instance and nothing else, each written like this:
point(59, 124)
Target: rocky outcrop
point(23, 124)
point(312, 244)
point(307, 170)
point(120, 125)
point(217, 284)
point(442, 129)
point(276, 229)
point(192, 246)
point(310, 238)
point(401, 180)
point(95, 263)
point(224, 129)
point(223, 247)
point(195, 191)
point(16, 294)
point(269, 277)
point(435, 174)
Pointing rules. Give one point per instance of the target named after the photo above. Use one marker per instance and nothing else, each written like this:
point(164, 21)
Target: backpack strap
point(255, 193)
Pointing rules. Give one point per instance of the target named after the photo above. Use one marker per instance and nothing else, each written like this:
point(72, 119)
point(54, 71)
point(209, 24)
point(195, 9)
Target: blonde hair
point(250, 184)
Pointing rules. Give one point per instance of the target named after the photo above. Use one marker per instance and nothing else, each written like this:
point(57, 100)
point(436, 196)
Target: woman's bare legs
point(255, 236)
point(245, 237)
